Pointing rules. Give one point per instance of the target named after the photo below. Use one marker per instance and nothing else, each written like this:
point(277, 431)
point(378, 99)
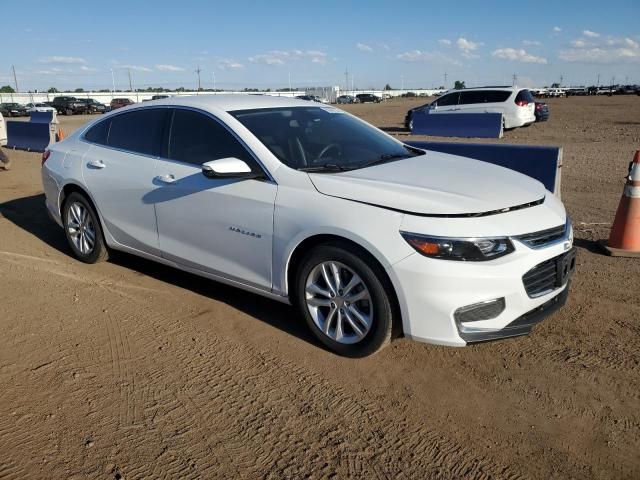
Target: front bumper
point(430, 291)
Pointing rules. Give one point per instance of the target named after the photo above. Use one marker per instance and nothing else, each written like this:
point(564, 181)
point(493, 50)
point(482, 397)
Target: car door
point(223, 226)
point(119, 169)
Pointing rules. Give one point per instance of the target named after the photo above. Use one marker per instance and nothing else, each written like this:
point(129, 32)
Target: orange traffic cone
point(624, 240)
point(61, 135)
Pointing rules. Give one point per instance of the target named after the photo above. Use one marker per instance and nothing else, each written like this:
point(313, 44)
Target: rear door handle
point(166, 179)
point(96, 164)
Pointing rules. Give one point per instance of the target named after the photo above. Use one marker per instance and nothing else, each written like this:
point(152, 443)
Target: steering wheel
point(327, 148)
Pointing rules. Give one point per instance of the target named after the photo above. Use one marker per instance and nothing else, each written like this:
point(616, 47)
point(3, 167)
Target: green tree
point(79, 90)
point(7, 89)
point(388, 87)
point(459, 85)
point(52, 90)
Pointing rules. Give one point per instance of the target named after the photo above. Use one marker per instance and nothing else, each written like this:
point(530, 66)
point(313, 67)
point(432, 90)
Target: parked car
point(542, 112)
point(515, 104)
point(307, 204)
point(13, 109)
point(120, 102)
point(346, 99)
point(39, 107)
point(367, 98)
point(66, 105)
point(577, 92)
point(94, 106)
point(3, 131)
point(309, 98)
point(159, 97)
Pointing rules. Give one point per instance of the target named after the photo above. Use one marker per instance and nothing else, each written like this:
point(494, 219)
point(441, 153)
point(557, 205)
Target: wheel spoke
point(339, 330)
point(335, 270)
point(329, 319)
point(327, 278)
point(361, 295)
point(355, 280)
point(361, 317)
point(318, 302)
point(314, 289)
point(352, 322)
point(74, 213)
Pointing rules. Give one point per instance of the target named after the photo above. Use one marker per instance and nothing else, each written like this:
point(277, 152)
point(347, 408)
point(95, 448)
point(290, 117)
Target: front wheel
point(83, 231)
point(344, 301)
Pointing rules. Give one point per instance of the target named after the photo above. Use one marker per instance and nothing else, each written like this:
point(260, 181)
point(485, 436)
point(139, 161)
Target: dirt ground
point(128, 369)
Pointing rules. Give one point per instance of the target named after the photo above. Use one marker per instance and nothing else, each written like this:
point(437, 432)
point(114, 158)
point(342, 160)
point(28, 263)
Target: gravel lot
point(128, 369)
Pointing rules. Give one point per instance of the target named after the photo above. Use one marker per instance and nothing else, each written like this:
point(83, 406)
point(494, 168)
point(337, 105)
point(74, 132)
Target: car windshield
point(323, 139)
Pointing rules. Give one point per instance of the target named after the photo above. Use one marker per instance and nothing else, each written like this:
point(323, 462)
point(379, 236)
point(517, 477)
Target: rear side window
point(197, 138)
point(450, 99)
point(474, 96)
point(524, 96)
point(139, 131)
point(496, 96)
point(99, 133)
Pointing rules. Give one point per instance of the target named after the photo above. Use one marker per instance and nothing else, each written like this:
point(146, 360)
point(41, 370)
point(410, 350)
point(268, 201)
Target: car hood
point(434, 184)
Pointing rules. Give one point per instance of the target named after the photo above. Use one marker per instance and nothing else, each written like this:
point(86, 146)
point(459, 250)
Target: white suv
point(516, 105)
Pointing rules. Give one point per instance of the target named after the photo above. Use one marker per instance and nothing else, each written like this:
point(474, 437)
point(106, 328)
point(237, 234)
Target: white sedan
point(39, 107)
point(307, 204)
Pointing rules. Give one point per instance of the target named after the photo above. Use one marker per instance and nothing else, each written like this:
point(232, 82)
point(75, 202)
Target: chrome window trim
point(181, 107)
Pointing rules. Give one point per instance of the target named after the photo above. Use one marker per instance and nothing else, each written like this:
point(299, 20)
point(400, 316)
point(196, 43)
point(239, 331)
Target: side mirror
point(227, 168)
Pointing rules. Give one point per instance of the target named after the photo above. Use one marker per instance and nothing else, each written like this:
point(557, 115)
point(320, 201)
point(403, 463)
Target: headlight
point(463, 249)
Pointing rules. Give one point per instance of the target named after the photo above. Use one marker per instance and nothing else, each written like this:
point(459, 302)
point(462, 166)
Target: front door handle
point(96, 164)
point(166, 179)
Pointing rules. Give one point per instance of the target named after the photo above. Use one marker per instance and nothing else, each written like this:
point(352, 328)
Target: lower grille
point(550, 274)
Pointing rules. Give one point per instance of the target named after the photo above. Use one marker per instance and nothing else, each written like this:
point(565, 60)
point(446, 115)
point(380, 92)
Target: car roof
point(230, 103)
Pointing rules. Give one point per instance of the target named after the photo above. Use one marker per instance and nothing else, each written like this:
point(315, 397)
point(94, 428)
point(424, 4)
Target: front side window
point(321, 138)
point(197, 138)
point(448, 100)
point(139, 131)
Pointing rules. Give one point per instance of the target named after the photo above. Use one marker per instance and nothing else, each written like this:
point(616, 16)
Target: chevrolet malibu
point(368, 237)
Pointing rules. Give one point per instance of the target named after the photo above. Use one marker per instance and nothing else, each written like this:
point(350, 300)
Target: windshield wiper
point(384, 158)
point(326, 167)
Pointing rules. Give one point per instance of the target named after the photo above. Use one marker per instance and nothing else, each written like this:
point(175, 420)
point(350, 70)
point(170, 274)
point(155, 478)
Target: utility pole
point(445, 80)
point(130, 84)
point(198, 72)
point(561, 77)
point(15, 79)
point(598, 83)
point(346, 79)
point(515, 80)
point(214, 81)
point(290, 89)
point(402, 82)
point(113, 82)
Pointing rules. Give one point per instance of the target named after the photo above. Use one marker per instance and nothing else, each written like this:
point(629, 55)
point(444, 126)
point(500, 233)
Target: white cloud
point(84, 68)
point(590, 34)
point(135, 68)
point(364, 47)
point(62, 60)
point(532, 43)
point(280, 57)
point(557, 29)
point(420, 56)
point(467, 45)
point(228, 64)
point(444, 41)
point(609, 50)
point(518, 55)
point(169, 68)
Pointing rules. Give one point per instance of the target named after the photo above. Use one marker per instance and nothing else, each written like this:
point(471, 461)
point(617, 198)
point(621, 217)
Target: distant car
point(346, 99)
point(309, 98)
point(93, 106)
point(367, 98)
point(13, 109)
point(577, 92)
point(121, 102)
point(39, 107)
point(3, 132)
point(159, 97)
point(542, 112)
point(515, 104)
point(66, 105)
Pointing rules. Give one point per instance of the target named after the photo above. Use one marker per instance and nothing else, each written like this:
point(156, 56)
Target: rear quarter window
point(525, 96)
point(496, 96)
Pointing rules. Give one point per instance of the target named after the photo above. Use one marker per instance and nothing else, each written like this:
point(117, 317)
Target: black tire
point(99, 252)
point(68, 111)
point(376, 282)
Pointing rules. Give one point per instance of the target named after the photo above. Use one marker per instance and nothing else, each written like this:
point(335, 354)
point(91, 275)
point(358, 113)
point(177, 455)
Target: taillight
point(45, 156)
point(522, 103)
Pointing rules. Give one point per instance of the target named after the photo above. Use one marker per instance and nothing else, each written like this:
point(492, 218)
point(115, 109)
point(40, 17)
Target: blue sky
point(71, 44)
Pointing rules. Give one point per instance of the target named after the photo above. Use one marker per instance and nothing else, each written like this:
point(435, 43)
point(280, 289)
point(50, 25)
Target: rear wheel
point(343, 300)
point(83, 231)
